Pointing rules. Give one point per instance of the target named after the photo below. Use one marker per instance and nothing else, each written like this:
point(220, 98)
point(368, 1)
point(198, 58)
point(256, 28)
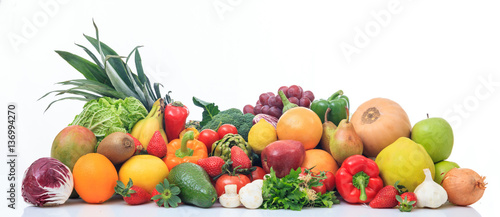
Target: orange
point(300, 124)
point(146, 171)
point(95, 178)
point(320, 160)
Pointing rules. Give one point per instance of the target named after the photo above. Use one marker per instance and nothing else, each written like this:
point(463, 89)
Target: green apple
point(436, 135)
point(442, 168)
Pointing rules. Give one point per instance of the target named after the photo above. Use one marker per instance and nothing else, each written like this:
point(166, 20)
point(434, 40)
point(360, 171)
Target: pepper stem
point(360, 180)
point(286, 103)
point(184, 151)
point(334, 95)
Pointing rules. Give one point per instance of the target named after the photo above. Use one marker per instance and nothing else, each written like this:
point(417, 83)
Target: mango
point(72, 143)
point(404, 161)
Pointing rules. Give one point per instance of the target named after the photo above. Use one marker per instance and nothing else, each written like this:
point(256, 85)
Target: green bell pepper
point(338, 104)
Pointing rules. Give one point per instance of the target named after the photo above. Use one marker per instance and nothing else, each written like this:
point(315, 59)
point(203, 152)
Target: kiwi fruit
point(117, 147)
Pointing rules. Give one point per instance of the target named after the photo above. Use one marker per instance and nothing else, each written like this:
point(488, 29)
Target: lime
point(261, 134)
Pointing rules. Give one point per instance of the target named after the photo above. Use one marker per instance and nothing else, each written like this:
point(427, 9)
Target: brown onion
point(464, 186)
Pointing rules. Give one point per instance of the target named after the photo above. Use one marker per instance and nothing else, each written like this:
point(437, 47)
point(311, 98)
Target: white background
point(436, 57)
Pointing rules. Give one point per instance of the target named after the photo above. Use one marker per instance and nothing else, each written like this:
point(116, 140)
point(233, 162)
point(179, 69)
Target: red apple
point(282, 156)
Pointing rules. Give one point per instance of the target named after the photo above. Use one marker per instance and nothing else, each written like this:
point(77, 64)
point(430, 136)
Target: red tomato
point(225, 129)
point(321, 189)
point(239, 180)
point(258, 173)
point(329, 181)
point(208, 137)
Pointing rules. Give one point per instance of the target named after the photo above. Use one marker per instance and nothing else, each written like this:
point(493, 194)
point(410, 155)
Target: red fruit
point(248, 109)
point(407, 201)
point(157, 146)
point(240, 158)
point(208, 137)
point(139, 197)
point(132, 194)
point(225, 129)
point(258, 173)
point(321, 189)
point(239, 180)
point(212, 165)
point(329, 181)
point(385, 198)
point(154, 193)
point(138, 145)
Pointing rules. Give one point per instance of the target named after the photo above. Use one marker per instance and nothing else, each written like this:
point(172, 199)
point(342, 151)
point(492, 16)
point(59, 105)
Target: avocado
point(194, 183)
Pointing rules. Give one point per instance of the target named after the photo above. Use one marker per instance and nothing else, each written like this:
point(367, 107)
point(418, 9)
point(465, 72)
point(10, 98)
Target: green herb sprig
point(291, 192)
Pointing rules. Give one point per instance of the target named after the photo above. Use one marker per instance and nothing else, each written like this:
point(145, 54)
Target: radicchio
point(47, 182)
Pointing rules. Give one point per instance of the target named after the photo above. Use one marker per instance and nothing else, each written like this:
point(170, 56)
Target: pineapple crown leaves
point(167, 196)
point(107, 76)
point(123, 190)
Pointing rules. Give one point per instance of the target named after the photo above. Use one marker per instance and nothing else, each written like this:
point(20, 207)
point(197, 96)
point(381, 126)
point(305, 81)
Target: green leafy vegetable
point(209, 110)
point(106, 115)
point(234, 116)
point(292, 192)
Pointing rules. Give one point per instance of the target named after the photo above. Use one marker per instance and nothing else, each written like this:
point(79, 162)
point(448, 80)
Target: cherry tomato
point(208, 137)
point(329, 181)
point(239, 180)
point(321, 189)
point(258, 173)
point(225, 129)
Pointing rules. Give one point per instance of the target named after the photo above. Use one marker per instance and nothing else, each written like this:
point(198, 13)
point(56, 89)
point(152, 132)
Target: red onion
point(47, 182)
point(270, 119)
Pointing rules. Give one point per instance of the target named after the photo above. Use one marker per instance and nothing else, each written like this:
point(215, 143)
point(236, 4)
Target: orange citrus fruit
point(320, 160)
point(300, 124)
point(95, 178)
point(146, 171)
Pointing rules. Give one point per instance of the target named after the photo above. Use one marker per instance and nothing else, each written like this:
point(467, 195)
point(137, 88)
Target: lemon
point(261, 134)
point(146, 171)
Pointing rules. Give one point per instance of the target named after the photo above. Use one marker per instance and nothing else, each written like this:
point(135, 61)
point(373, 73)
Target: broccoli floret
point(234, 116)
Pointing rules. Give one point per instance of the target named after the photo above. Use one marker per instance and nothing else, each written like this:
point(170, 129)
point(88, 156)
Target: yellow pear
point(404, 161)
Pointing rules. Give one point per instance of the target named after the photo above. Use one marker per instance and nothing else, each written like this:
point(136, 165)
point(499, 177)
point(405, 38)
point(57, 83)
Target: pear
point(328, 132)
point(344, 141)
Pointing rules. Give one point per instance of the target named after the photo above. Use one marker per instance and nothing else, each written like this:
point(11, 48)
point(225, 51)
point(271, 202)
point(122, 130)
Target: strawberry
point(407, 201)
point(157, 146)
point(132, 194)
point(386, 197)
point(138, 145)
point(213, 165)
point(166, 194)
point(240, 158)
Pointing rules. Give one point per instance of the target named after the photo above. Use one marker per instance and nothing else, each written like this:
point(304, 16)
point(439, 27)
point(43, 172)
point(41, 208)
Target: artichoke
point(222, 147)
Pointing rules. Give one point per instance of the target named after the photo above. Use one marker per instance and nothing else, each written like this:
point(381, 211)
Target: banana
point(144, 129)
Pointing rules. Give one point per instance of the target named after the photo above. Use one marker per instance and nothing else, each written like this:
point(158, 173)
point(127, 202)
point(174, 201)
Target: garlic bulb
point(429, 193)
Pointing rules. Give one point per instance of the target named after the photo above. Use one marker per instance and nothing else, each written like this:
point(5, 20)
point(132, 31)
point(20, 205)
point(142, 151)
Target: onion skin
point(463, 186)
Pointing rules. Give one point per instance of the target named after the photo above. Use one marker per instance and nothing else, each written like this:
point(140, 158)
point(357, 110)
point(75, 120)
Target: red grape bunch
point(271, 104)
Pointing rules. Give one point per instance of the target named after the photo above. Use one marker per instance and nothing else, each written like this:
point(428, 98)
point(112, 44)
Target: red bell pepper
point(358, 179)
point(175, 119)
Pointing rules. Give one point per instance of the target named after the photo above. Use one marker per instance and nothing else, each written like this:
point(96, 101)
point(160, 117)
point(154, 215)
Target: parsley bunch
point(291, 192)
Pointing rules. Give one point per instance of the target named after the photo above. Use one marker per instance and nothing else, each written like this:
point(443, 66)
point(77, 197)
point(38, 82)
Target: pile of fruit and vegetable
point(288, 151)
